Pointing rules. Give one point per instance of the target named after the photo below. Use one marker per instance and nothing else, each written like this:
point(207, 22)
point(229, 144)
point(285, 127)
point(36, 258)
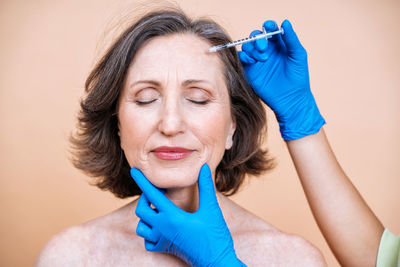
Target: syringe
point(245, 40)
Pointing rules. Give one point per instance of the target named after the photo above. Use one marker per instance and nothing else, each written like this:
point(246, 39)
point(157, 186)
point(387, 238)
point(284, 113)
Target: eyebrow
point(187, 82)
point(156, 83)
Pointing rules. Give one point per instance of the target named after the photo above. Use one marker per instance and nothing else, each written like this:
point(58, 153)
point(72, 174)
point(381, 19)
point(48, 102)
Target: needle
point(245, 40)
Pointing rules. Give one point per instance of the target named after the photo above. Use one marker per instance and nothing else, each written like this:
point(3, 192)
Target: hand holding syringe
point(245, 40)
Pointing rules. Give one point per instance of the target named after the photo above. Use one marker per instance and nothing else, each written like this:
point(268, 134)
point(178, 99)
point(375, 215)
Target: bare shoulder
point(94, 243)
point(277, 248)
point(257, 242)
point(68, 248)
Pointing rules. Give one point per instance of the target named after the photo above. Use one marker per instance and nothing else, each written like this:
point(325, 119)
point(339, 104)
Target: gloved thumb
point(290, 39)
point(206, 187)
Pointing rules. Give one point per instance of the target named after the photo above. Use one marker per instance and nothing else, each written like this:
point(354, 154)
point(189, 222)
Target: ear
point(229, 137)
point(121, 144)
point(119, 135)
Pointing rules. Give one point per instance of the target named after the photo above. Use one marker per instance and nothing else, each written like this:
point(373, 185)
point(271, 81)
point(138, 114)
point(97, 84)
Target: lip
point(171, 153)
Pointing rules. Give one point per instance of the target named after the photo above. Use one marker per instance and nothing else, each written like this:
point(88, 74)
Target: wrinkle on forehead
point(185, 54)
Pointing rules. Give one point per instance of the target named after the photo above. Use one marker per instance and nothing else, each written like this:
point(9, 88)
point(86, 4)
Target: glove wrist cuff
point(303, 120)
point(303, 130)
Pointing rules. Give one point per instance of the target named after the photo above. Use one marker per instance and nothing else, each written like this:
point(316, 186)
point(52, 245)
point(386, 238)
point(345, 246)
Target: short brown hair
point(96, 144)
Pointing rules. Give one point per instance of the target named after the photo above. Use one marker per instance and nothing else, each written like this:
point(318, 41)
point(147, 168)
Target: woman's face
point(174, 110)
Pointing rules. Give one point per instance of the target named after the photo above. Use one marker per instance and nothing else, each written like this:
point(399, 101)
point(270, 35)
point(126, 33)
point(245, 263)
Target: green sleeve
point(389, 249)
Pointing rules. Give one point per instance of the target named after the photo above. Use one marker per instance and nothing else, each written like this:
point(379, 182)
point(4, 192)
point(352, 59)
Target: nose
point(171, 122)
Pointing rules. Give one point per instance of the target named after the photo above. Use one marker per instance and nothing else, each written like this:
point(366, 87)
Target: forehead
point(185, 54)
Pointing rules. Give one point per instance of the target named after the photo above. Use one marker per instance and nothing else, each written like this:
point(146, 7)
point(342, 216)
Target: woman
point(160, 103)
point(278, 72)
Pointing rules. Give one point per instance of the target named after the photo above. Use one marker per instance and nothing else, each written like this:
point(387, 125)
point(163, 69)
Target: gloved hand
point(200, 239)
point(278, 72)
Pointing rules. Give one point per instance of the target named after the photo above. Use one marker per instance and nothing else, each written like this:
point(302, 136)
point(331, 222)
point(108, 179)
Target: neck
point(186, 198)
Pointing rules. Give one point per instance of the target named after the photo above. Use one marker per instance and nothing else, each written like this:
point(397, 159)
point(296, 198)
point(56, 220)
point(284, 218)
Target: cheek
point(134, 129)
point(211, 128)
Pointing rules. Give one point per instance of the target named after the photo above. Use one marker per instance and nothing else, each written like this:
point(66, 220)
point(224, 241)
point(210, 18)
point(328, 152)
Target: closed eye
point(142, 103)
point(202, 102)
point(197, 96)
point(146, 96)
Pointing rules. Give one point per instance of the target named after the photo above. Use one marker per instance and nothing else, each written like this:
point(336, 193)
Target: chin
point(172, 177)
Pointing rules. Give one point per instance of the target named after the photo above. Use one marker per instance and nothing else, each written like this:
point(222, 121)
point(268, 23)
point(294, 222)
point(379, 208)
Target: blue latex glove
point(278, 72)
point(200, 239)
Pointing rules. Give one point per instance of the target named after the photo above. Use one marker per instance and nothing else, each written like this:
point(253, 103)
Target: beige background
point(48, 48)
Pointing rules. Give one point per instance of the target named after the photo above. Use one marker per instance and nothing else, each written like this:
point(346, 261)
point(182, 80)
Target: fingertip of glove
point(244, 58)
point(139, 227)
point(261, 45)
point(270, 25)
point(148, 245)
point(255, 32)
point(135, 173)
point(205, 168)
point(205, 177)
point(286, 25)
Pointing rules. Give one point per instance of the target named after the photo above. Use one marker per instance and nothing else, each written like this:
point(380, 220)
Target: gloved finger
point(249, 46)
point(245, 59)
point(291, 40)
point(271, 26)
point(149, 246)
point(153, 194)
point(276, 39)
point(259, 52)
point(162, 245)
point(256, 49)
point(261, 44)
point(148, 233)
point(207, 195)
point(144, 211)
